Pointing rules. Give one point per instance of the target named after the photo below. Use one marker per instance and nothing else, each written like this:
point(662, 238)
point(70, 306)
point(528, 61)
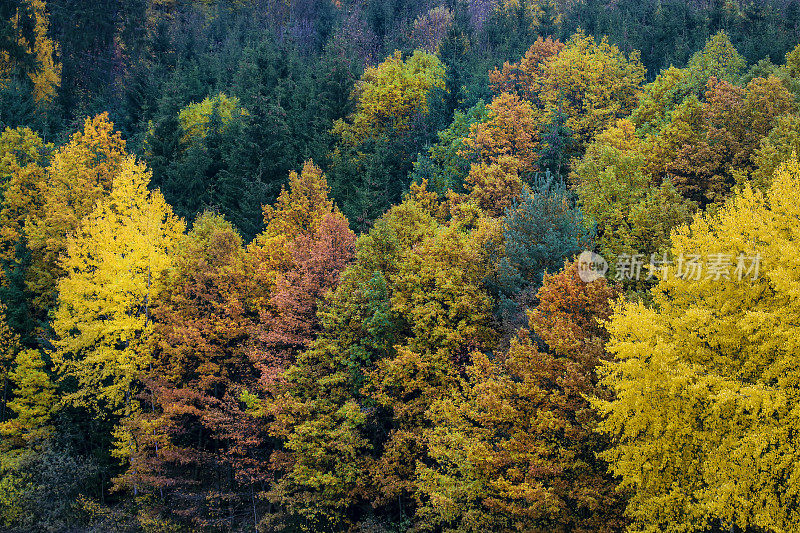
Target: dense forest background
point(310, 265)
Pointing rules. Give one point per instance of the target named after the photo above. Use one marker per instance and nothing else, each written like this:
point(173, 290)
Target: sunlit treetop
point(195, 118)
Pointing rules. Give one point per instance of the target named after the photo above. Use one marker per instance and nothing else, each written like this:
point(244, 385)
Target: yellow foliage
point(706, 380)
point(299, 210)
point(391, 94)
point(194, 118)
point(114, 263)
point(80, 174)
point(34, 402)
point(494, 187)
point(9, 346)
point(47, 76)
point(21, 178)
point(592, 83)
point(512, 129)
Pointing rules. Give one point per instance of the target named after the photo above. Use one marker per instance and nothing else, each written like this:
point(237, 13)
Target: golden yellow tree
point(389, 95)
point(705, 418)
point(592, 84)
point(35, 400)
point(46, 77)
point(194, 118)
point(512, 129)
point(80, 174)
point(22, 156)
point(114, 262)
point(9, 346)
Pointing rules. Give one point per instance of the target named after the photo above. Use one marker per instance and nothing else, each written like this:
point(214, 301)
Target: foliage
point(80, 173)
point(448, 369)
point(374, 146)
point(113, 265)
point(443, 166)
point(704, 388)
point(511, 129)
point(540, 232)
point(195, 118)
point(34, 53)
point(200, 370)
point(514, 448)
point(632, 215)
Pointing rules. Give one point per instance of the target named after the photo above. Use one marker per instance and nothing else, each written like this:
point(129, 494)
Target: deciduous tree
point(703, 418)
point(80, 174)
point(113, 264)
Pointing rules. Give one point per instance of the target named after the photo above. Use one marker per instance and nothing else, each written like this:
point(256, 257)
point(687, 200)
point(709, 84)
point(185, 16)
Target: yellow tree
point(512, 130)
point(113, 262)
point(46, 77)
point(194, 118)
point(22, 154)
point(391, 94)
point(81, 173)
point(34, 402)
point(298, 212)
point(494, 187)
point(592, 84)
point(705, 418)
point(9, 346)
point(375, 145)
point(439, 293)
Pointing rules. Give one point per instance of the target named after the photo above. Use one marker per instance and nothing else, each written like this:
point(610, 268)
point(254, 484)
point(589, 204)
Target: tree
point(494, 187)
point(431, 28)
point(197, 449)
point(660, 97)
point(9, 347)
point(113, 264)
point(539, 233)
point(775, 147)
point(703, 380)
point(527, 76)
point(718, 59)
point(217, 155)
point(297, 213)
point(292, 324)
point(391, 94)
point(631, 212)
point(592, 84)
point(195, 118)
point(439, 294)
point(325, 413)
point(511, 129)
point(443, 166)
point(581, 86)
point(704, 145)
point(22, 154)
point(375, 145)
point(34, 402)
point(36, 53)
point(514, 448)
point(80, 174)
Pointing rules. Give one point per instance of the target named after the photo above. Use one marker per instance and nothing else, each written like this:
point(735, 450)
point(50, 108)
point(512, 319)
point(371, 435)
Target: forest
point(388, 266)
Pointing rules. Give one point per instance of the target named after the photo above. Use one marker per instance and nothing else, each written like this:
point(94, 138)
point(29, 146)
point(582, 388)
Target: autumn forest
point(387, 266)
